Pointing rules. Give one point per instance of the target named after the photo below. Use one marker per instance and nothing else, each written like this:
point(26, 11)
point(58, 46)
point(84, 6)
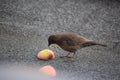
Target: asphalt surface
point(26, 24)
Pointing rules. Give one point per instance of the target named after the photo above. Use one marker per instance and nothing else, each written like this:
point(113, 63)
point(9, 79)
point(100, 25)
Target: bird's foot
point(65, 57)
point(68, 56)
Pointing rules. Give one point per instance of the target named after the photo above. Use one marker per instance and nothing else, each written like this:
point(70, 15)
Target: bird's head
point(51, 40)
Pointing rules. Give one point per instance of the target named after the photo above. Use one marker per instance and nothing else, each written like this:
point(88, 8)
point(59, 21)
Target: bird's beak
point(49, 45)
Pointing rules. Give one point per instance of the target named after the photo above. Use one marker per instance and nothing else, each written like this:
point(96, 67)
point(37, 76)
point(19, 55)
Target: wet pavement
point(26, 24)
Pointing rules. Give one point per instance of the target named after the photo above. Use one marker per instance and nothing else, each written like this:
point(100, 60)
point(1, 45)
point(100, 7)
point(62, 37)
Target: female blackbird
point(71, 42)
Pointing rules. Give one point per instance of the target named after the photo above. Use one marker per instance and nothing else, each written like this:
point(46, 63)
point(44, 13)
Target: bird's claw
point(65, 57)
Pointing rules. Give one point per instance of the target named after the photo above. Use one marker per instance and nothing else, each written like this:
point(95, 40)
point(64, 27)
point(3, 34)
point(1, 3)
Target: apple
point(46, 54)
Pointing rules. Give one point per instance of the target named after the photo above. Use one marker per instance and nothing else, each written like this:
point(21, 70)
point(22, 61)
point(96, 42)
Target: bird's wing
point(68, 41)
point(70, 44)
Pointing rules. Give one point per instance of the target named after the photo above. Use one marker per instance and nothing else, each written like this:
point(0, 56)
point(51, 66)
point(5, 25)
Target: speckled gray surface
point(26, 24)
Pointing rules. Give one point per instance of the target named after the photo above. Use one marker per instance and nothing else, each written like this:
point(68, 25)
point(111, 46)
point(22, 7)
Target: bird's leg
point(73, 54)
point(70, 56)
point(66, 55)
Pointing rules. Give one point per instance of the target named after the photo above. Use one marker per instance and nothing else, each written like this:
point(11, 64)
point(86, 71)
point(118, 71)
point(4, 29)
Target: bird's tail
point(91, 43)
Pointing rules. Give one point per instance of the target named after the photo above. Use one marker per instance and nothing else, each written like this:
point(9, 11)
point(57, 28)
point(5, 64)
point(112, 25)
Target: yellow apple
point(46, 54)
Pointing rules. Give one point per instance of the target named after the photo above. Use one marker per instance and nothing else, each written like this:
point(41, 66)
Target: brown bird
point(71, 42)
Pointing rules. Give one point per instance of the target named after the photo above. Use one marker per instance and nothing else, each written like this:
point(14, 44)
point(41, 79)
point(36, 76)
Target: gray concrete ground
point(26, 24)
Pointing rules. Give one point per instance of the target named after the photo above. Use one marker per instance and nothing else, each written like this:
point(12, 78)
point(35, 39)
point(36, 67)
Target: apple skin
point(46, 54)
point(48, 70)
